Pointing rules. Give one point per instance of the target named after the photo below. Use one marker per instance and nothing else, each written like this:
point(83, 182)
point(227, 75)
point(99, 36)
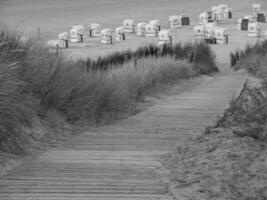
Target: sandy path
point(121, 161)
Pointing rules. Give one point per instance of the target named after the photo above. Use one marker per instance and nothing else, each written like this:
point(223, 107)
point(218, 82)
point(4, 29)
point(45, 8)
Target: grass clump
point(16, 109)
point(91, 96)
point(250, 55)
point(198, 54)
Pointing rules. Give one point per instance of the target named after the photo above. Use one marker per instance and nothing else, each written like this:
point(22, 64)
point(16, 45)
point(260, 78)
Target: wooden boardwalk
point(121, 161)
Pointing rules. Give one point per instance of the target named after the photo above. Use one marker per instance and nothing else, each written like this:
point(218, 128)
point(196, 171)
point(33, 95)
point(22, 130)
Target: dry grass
point(249, 109)
point(90, 96)
point(247, 113)
point(251, 58)
point(16, 110)
point(199, 54)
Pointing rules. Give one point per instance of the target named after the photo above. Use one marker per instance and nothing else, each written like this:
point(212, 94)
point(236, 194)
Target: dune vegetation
point(249, 109)
point(36, 83)
point(198, 53)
